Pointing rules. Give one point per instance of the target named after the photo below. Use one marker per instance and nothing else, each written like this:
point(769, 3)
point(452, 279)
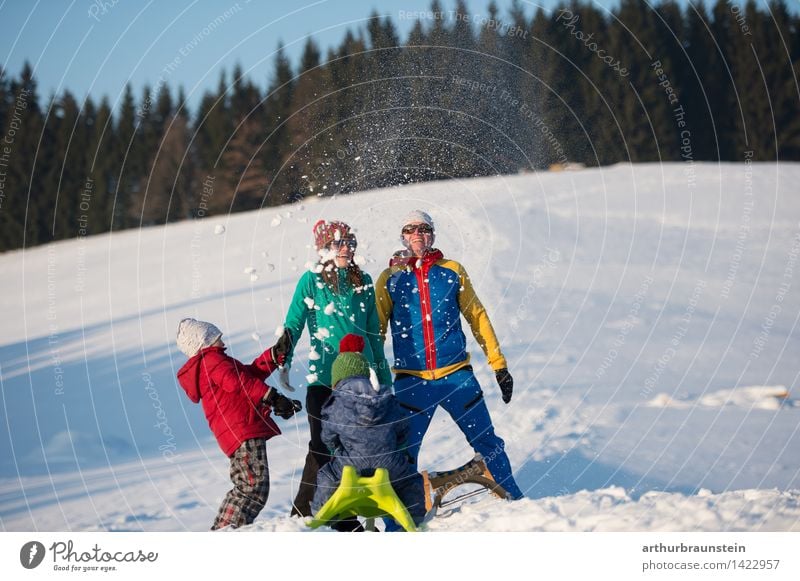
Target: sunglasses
point(349, 242)
point(421, 228)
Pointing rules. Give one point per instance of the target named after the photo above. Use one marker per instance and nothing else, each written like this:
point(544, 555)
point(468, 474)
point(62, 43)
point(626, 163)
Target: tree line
point(463, 95)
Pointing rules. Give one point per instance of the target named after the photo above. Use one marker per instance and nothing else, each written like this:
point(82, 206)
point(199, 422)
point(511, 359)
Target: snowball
point(253, 277)
point(309, 302)
point(276, 221)
point(330, 308)
point(249, 270)
point(311, 377)
point(313, 355)
point(219, 229)
point(359, 260)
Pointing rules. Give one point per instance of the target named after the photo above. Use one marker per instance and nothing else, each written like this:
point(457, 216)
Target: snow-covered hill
point(648, 312)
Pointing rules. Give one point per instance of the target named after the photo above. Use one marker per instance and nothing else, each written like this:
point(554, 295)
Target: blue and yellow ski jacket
point(422, 299)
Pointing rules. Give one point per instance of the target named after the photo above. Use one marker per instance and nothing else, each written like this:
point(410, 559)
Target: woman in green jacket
point(332, 300)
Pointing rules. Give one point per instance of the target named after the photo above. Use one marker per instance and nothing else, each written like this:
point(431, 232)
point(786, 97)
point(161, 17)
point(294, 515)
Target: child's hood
point(189, 374)
point(370, 407)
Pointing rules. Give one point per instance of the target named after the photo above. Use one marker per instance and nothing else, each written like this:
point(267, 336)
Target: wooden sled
point(438, 485)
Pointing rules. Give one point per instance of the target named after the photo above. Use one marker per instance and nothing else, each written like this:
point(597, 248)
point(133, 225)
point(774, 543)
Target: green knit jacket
point(329, 317)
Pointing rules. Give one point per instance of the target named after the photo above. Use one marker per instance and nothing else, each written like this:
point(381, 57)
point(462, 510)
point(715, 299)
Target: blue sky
point(97, 46)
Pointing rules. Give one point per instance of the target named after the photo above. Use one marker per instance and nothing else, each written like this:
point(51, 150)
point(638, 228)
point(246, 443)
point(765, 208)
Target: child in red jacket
point(237, 405)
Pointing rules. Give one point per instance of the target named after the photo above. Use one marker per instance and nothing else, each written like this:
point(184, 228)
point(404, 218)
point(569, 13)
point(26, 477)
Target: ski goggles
point(421, 228)
point(349, 242)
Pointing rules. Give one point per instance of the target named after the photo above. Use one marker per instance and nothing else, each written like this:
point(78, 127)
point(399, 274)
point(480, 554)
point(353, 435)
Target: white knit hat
point(417, 217)
point(194, 335)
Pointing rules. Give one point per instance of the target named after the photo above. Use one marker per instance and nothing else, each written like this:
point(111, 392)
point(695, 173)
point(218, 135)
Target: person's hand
point(282, 348)
point(282, 405)
point(283, 379)
point(506, 383)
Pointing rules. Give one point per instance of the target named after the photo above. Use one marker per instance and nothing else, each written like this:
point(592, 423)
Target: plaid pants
point(250, 477)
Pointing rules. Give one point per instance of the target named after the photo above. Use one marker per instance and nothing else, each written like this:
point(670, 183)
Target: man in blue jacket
point(422, 296)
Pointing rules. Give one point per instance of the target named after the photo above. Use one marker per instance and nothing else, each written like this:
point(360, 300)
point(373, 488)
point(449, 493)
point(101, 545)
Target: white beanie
point(417, 216)
point(195, 335)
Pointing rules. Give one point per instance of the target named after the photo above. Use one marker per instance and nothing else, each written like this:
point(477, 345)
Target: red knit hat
point(351, 342)
point(327, 232)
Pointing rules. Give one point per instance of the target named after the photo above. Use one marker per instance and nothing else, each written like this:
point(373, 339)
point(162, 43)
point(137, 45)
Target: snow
point(653, 348)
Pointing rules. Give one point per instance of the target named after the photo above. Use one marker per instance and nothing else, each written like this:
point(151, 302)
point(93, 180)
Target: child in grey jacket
point(363, 427)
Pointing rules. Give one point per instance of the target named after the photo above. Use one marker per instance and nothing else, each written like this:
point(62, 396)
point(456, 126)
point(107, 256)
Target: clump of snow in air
point(322, 334)
point(219, 229)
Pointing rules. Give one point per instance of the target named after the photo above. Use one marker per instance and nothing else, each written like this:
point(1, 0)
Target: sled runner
point(438, 485)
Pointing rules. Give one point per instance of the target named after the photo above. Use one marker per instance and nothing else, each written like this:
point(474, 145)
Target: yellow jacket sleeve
point(383, 301)
point(478, 319)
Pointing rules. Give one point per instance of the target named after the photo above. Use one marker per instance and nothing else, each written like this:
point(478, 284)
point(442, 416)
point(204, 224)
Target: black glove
point(506, 383)
point(282, 347)
point(282, 405)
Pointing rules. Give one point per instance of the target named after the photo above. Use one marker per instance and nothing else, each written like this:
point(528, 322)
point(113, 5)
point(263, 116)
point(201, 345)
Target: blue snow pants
point(461, 396)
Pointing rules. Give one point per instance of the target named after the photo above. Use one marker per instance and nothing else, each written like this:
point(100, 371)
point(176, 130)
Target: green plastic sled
point(370, 497)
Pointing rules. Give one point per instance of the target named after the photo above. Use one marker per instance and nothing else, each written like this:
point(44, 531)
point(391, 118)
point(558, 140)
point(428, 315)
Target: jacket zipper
point(428, 336)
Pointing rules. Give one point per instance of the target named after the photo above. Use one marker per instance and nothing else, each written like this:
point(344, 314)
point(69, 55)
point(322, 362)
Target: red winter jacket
point(231, 393)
